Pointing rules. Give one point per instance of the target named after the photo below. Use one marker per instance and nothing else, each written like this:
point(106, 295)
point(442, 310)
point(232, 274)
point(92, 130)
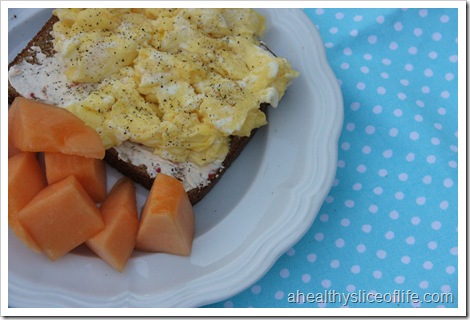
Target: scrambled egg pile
point(180, 81)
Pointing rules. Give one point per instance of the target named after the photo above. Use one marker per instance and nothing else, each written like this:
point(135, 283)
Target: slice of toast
point(139, 174)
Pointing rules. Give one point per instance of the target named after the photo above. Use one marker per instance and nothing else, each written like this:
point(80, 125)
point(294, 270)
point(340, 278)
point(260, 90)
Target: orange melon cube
point(90, 172)
point(25, 180)
point(61, 217)
point(12, 150)
point(39, 127)
point(167, 221)
point(116, 242)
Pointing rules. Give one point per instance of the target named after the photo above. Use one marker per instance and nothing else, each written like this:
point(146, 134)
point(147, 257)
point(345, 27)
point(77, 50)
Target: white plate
point(262, 206)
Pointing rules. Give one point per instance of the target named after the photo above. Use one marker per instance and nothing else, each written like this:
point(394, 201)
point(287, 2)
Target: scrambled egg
point(180, 81)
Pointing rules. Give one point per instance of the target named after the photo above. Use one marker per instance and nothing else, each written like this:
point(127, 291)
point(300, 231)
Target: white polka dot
point(410, 240)
point(397, 112)
point(399, 279)
point(228, 304)
point(341, 164)
point(353, 33)
point(403, 176)
point(421, 201)
point(423, 284)
point(372, 39)
point(449, 76)
point(350, 288)
point(398, 26)
point(446, 288)
point(311, 257)
point(386, 61)
point(326, 283)
point(370, 129)
point(410, 157)
point(453, 58)
point(399, 195)
point(393, 45)
point(387, 153)
point(355, 269)
point(373, 208)
point(339, 243)
point(319, 11)
point(364, 69)
point(419, 103)
point(425, 89)
point(436, 36)
point(405, 259)
point(412, 50)
point(378, 190)
point(404, 82)
point(366, 228)
point(409, 67)
point(431, 159)
point(329, 45)
point(384, 75)
point(329, 199)
point(394, 215)
point(279, 295)
point(381, 90)
point(401, 96)
point(427, 179)
point(306, 278)
point(334, 264)
point(344, 66)
point(444, 205)
point(361, 168)
point(433, 55)
point(423, 13)
point(345, 146)
point(414, 135)
point(415, 221)
point(334, 30)
point(418, 32)
point(445, 94)
point(448, 182)
point(366, 149)
point(349, 203)
point(432, 245)
point(361, 248)
point(389, 235)
point(290, 252)
point(444, 18)
point(377, 109)
point(380, 19)
point(319, 236)
point(454, 251)
point(383, 172)
point(435, 141)
point(357, 18)
point(284, 273)
point(428, 72)
point(339, 15)
point(393, 132)
point(381, 254)
point(450, 270)
point(427, 265)
point(256, 289)
point(347, 51)
point(436, 225)
point(360, 85)
point(355, 106)
point(452, 164)
point(367, 56)
point(377, 274)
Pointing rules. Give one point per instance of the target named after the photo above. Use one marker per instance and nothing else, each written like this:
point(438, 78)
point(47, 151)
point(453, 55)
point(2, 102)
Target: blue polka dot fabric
point(386, 235)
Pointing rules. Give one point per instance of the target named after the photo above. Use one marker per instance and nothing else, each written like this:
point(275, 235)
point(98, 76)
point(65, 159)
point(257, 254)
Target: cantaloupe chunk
point(90, 172)
point(39, 127)
point(12, 150)
point(61, 217)
point(167, 221)
point(25, 180)
point(116, 242)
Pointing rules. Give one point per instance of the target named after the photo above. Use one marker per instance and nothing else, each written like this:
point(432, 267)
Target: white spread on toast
point(46, 81)
point(192, 175)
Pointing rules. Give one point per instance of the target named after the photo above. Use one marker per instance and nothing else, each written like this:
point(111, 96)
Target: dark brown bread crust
point(43, 39)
